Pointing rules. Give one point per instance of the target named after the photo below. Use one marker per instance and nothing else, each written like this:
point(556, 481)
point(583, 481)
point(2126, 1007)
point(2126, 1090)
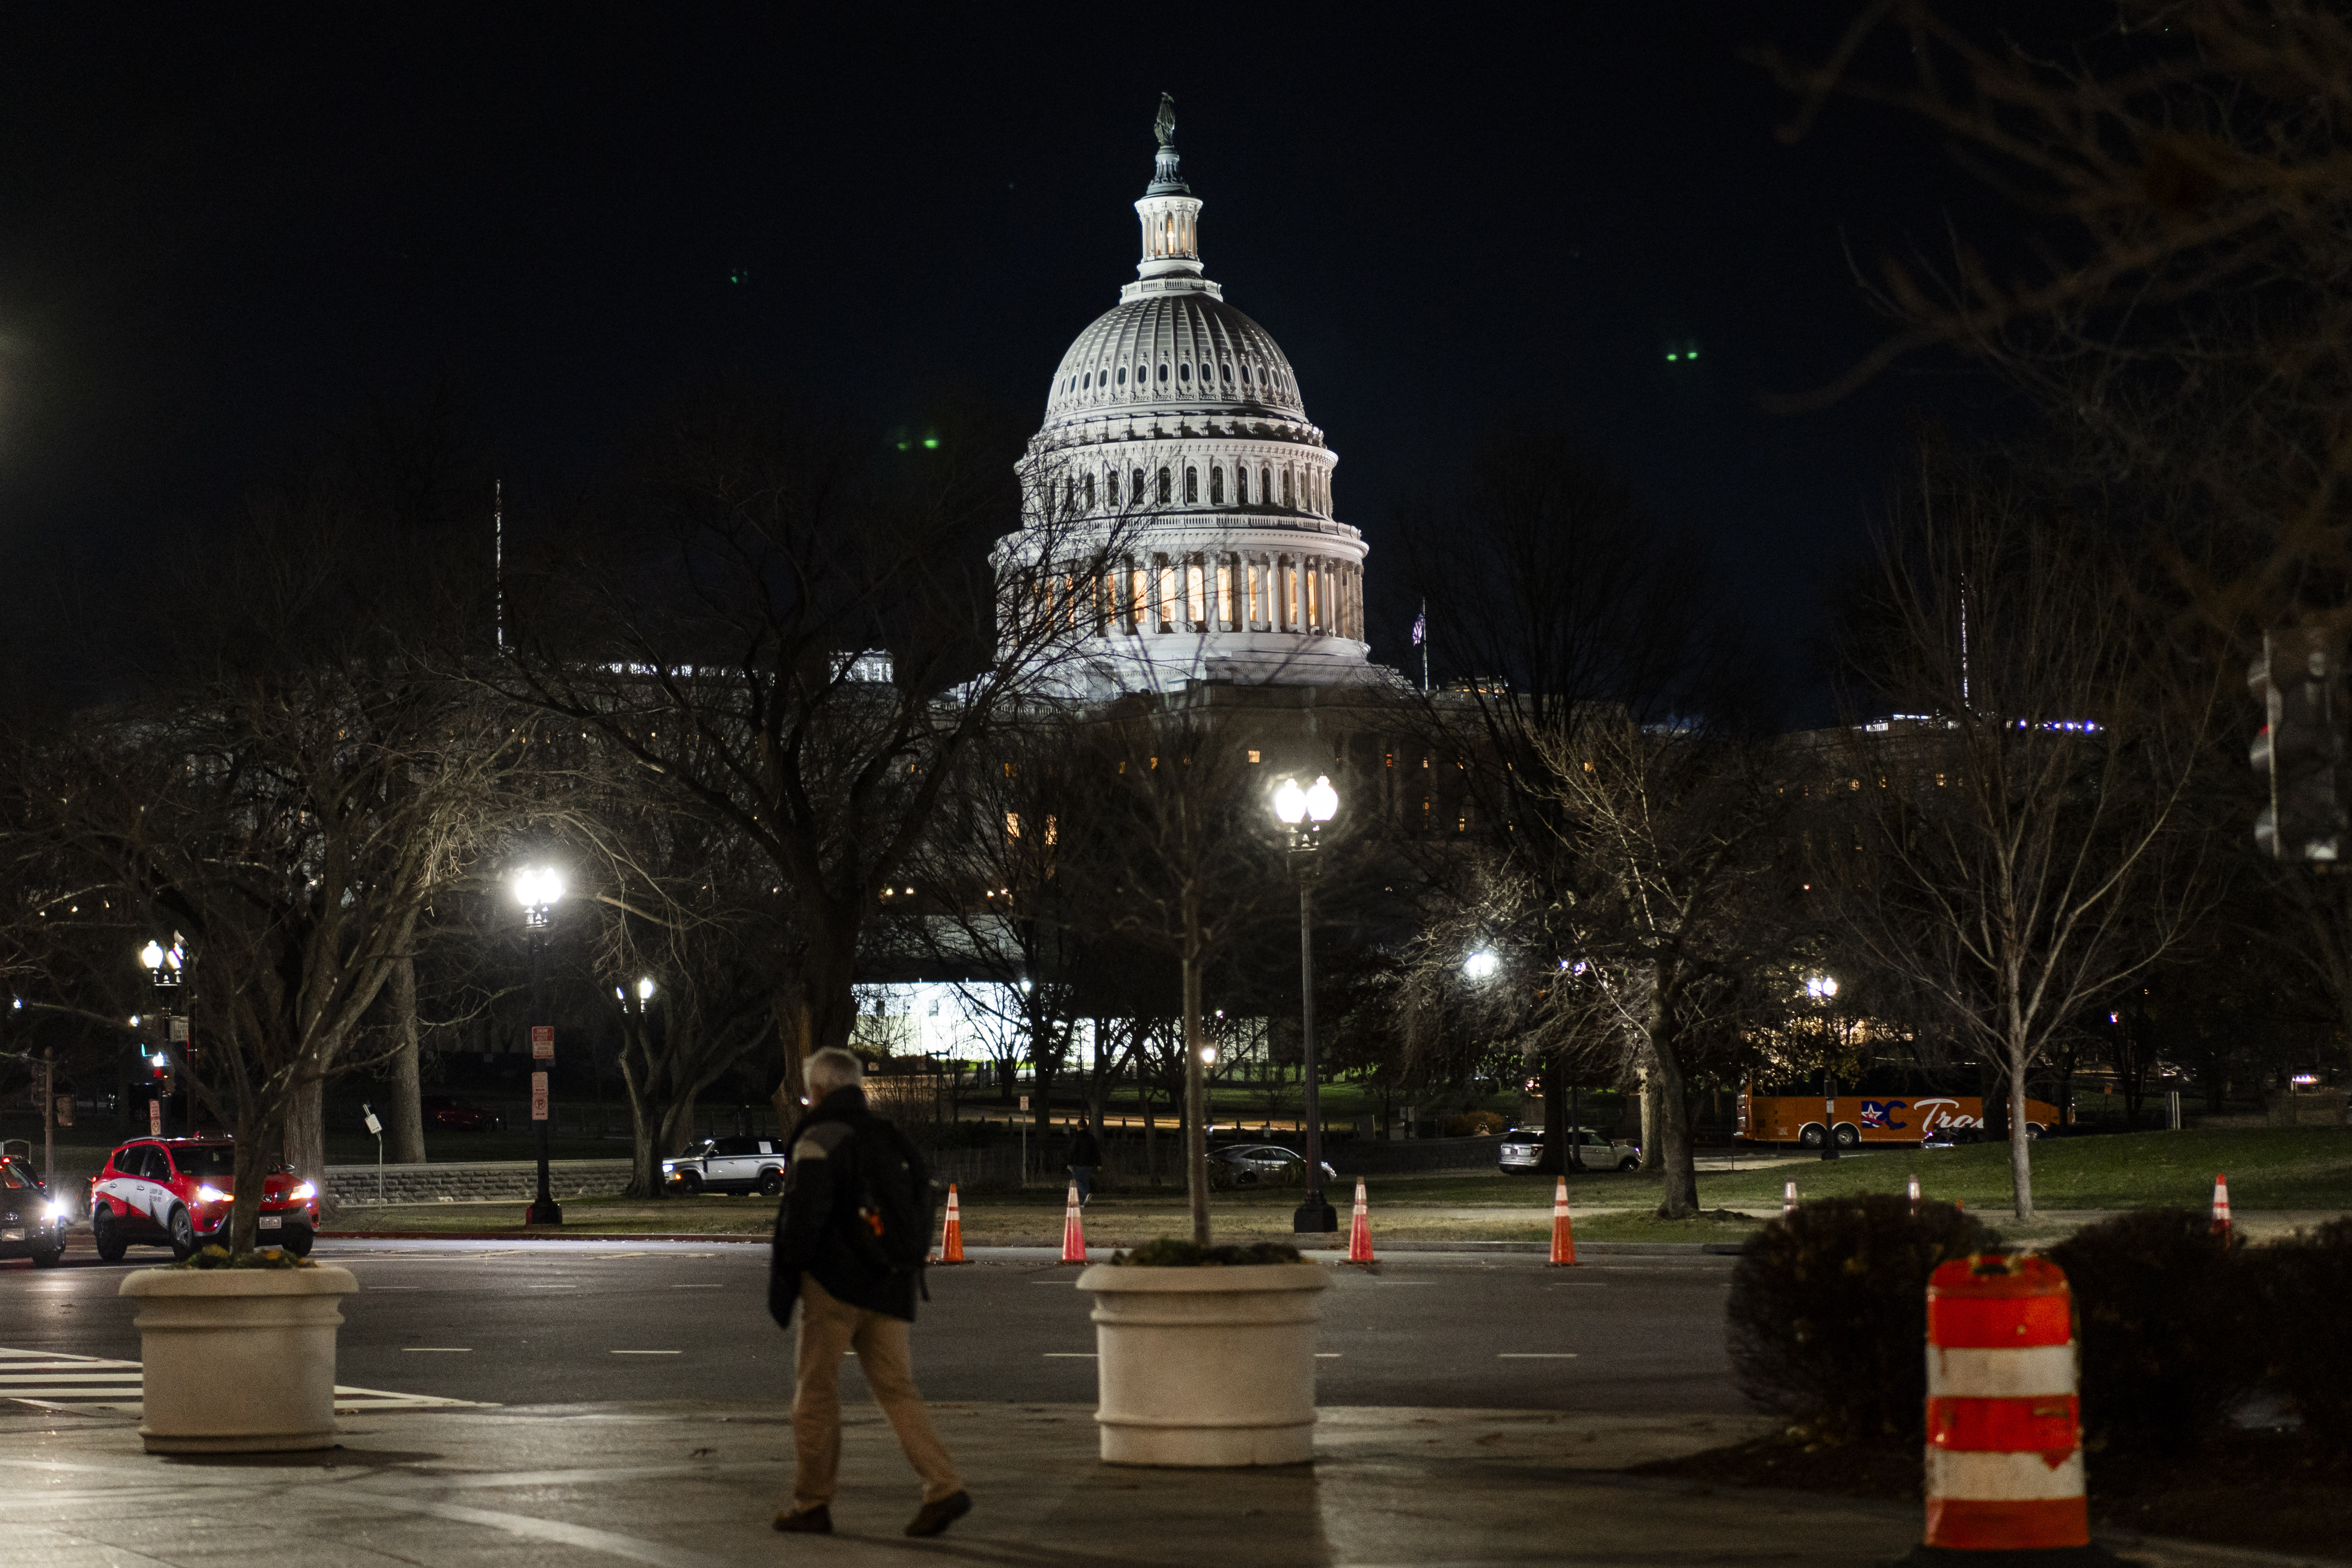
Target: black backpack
point(893, 1204)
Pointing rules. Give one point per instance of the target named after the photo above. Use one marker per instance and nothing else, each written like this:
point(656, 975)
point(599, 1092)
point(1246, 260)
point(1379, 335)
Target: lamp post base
point(544, 1211)
point(1314, 1217)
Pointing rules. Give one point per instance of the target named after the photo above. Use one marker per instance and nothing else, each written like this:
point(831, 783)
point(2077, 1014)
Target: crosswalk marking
point(51, 1380)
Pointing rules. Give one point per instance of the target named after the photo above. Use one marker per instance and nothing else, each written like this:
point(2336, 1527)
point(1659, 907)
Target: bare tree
point(1553, 598)
point(1183, 828)
point(802, 634)
point(289, 804)
point(693, 941)
point(1003, 900)
point(1679, 917)
point(2026, 843)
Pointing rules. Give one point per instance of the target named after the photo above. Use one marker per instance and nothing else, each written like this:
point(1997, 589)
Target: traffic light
point(2299, 680)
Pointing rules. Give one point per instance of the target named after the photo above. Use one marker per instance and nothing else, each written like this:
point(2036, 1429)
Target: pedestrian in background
point(850, 1241)
point(1085, 1157)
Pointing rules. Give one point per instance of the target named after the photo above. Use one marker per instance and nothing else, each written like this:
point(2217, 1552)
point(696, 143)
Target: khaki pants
point(828, 1329)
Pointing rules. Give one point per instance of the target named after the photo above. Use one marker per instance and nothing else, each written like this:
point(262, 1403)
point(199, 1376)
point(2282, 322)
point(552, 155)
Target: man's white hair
point(834, 1068)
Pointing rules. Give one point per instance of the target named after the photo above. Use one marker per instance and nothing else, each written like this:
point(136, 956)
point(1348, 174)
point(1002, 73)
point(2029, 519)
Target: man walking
point(846, 1187)
point(1085, 1155)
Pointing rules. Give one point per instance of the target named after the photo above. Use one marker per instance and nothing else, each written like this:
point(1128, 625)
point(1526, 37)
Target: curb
point(551, 1233)
point(1537, 1249)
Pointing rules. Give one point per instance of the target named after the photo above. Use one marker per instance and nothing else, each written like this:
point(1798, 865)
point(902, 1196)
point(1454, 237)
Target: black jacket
point(819, 1205)
point(1083, 1150)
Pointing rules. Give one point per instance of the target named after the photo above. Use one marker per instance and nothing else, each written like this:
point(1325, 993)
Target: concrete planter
point(1206, 1366)
point(238, 1360)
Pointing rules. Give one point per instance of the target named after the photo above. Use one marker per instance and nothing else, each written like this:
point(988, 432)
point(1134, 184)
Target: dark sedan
point(32, 1222)
point(1261, 1165)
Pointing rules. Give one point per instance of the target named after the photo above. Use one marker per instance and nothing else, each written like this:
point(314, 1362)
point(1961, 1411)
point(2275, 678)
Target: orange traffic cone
point(1074, 1235)
point(1563, 1233)
point(952, 1232)
point(1788, 1200)
point(2221, 1206)
point(1359, 1229)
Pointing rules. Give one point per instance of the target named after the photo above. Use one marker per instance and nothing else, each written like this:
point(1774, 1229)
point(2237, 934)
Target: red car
point(175, 1193)
point(442, 1110)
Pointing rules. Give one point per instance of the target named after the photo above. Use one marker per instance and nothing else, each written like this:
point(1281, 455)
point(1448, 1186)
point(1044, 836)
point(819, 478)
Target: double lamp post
point(1304, 812)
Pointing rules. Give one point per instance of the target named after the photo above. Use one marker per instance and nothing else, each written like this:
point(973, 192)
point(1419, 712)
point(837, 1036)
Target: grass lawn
point(2269, 1168)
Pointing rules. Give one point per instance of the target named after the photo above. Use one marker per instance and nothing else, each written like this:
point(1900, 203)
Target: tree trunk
point(644, 1155)
point(1555, 1112)
point(305, 1137)
point(407, 1068)
point(796, 1025)
point(1654, 1154)
point(1196, 1089)
point(1150, 1132)
point(255, 1134)
point(2020, 1146)
point(1668, 1110)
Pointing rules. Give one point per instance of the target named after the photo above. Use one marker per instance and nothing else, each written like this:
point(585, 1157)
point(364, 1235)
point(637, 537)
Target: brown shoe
point(818, 1520)
point(934, 1517)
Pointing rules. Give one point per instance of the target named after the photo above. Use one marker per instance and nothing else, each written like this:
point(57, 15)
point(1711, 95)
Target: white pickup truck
point(729, 1165)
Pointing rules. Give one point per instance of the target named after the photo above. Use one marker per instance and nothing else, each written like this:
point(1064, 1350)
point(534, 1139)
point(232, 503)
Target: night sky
point(222, 231)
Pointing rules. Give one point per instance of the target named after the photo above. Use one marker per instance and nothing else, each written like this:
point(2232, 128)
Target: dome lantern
point(1171, 216)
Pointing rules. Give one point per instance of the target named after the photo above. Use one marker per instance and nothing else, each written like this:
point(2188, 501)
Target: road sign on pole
point(154, 1119)
point(179, 1031)
point(542, 1042)
point(539, 1097)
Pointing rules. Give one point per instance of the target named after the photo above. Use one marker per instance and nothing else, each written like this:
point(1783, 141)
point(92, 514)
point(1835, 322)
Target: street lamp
point(1481, 964)
point(1304, 812)
point(1824, 990)
point(164, 966)
point(537, 889)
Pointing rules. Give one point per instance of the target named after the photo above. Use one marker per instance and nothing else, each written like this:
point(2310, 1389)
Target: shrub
point(217, 1257)
point(2305, 1283)
point(1169, 1252)
point(1828, 1313)
point(1472, 1124)
point(2164, 1315)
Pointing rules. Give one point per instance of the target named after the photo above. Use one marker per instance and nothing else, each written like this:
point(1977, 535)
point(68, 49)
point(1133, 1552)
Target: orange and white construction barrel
point(2004, 1424)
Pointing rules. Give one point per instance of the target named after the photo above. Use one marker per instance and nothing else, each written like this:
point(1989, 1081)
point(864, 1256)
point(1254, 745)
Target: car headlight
point(668, 1166)
point(59, 1212)
point(303, 1194)
point(209, 1194)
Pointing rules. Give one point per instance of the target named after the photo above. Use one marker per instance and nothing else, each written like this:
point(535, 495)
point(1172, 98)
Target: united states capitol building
point(1179, 500)
point(1180, 525)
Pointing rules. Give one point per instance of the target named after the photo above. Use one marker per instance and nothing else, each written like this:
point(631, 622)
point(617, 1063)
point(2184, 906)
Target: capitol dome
point(1183, 354)
point(1177, 501)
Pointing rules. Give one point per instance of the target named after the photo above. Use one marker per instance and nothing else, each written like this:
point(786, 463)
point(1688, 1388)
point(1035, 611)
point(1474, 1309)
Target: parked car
point(445, 1110)
point(729, 1165)
point(32, 1222)
point(1261, 1165)
point(176, 1192)
point(1523, 1151)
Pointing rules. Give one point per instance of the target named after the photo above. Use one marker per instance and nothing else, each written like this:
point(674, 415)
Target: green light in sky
point(1671, 357)
point(930, 443)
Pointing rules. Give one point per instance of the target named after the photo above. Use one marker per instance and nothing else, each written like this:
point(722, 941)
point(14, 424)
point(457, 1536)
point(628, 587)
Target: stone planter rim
point(326, 1279)
point(1206, 1278)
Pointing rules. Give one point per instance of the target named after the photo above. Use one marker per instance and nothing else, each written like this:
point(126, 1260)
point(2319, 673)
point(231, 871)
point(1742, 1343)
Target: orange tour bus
point(1886, 1107)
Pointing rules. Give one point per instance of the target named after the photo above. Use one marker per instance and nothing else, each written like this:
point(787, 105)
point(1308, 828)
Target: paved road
point(531, 1323)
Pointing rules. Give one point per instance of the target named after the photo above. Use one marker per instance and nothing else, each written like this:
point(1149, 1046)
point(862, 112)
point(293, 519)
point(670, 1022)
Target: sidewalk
point(684, 1487)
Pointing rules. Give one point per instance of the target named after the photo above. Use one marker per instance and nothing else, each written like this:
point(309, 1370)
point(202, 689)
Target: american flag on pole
point(1421, 625)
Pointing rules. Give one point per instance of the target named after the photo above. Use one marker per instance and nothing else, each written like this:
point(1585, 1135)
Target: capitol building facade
point(1178, 501)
